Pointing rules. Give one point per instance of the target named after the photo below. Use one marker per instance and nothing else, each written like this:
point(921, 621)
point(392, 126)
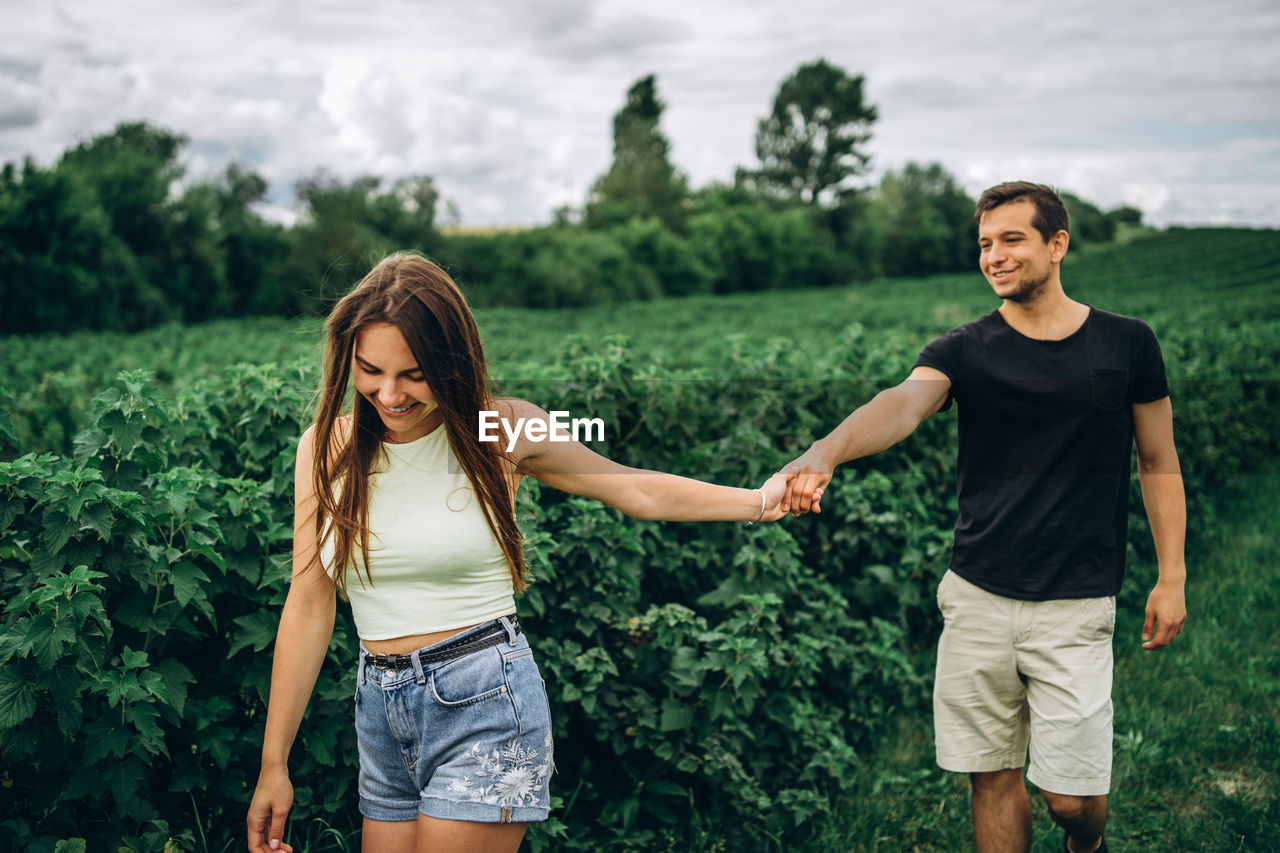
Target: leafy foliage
point(135, 576)
point(925, 222)
point(734, 672)
point(106, 239)
point(346, 227)
point(61, 266)
point(113, 237)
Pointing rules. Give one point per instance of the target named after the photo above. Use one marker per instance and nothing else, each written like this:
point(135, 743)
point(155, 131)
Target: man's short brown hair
point(1050, 216)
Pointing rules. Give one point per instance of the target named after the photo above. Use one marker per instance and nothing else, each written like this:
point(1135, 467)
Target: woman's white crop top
point(434, 561)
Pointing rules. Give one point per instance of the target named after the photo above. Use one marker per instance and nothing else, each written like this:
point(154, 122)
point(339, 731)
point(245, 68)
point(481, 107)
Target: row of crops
point(729, 671)
point(1179, 279)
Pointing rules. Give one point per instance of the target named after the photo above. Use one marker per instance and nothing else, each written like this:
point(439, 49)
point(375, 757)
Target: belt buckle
point(381, 662)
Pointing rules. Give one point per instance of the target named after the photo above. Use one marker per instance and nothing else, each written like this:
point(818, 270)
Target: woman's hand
point(775, 488)
point(267, 813)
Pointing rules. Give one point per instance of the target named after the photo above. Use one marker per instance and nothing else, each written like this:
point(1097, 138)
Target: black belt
point(495, 632)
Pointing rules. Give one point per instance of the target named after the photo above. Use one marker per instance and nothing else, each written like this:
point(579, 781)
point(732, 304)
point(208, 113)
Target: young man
point(1051, 395)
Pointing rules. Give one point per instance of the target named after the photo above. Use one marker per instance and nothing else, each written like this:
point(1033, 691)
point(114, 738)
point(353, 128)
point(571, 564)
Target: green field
point(1181, 280)
point(714, 687)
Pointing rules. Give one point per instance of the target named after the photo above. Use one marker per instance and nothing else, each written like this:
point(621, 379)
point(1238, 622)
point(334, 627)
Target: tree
point(924, 222)
point(811, 145)
point(1125, 215)
point(1089, 225)
point(641, 182)
point(131, 171)
point(252, 248)
point(61, 267)
point(346, 228)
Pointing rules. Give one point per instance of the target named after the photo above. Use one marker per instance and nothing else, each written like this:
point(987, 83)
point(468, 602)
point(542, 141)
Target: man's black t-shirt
point(1046, 429)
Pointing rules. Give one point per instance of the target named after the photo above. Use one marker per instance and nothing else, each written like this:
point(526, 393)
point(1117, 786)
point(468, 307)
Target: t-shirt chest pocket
point(1108, 388)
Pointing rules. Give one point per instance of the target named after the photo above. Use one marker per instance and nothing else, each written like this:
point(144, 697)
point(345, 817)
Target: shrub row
point(735, 671)
point(738, 247)
point(706, 663)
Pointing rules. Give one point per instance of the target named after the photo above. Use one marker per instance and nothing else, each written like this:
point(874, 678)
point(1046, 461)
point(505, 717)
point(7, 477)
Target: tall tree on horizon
point(641, 182)
point(811, 145)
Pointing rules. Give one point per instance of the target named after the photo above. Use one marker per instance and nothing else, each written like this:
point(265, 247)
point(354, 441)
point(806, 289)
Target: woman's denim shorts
point(467, 739)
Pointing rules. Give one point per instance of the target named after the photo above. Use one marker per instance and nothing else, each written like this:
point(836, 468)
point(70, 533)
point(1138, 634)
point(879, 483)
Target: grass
point(1197, 746)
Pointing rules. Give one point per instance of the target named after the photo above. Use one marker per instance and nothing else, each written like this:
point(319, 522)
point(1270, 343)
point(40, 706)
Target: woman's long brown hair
point(420, 300)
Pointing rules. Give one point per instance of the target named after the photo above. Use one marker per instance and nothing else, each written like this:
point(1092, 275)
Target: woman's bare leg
point(389, 836)
point(465, 836)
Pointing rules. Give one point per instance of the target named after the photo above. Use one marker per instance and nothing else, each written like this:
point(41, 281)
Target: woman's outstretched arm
point(649, 495)
point(306, 626)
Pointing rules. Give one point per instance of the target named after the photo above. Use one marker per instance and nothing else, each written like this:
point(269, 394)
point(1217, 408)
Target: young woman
point(401, 506)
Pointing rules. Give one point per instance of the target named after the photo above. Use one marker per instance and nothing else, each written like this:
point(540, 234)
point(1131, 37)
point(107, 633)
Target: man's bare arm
point(1163, 496)
point(882, 422)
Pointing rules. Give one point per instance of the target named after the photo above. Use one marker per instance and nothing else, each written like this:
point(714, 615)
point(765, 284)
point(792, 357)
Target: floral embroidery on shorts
point(508, 775)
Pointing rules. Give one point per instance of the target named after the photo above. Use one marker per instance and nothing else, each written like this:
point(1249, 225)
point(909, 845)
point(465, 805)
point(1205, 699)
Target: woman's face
point(387, 375)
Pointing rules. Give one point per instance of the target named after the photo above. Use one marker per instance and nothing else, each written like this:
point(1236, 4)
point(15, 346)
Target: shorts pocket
point(1108, 388)
point(1101, 624)
point(942, 598)
point(468, 680)
point(528, 692)
point(1111, 613)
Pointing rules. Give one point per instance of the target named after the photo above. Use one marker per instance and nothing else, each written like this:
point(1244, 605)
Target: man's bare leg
point(1083, 818)
point(1001, 811)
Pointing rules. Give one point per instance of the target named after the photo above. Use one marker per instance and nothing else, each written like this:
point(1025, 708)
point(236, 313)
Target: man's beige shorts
point(1012, 672)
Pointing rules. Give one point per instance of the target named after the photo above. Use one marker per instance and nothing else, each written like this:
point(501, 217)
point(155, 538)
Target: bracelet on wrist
point(763, 501)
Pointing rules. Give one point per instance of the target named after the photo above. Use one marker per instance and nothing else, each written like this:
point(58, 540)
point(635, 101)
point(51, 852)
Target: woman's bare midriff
point(404, 645)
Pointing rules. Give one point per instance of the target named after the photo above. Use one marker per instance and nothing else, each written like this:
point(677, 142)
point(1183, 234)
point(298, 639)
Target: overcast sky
point(1172, 106)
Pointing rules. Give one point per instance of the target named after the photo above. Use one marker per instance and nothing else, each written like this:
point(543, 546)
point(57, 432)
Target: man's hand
point(811, 472)
point(1166, 614)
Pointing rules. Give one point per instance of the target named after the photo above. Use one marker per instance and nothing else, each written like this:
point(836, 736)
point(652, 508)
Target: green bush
point(552, 267)
point(143, 585)
point(753, 247)
point(648, 242)
point(686, 663)
point(61, 267)
point(570, 267)
point(730, 672)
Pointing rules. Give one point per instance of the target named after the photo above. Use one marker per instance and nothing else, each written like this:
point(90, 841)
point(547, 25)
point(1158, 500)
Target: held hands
point(808, 476)
point(774, 489)
point(267, 813)
point(1166, 614)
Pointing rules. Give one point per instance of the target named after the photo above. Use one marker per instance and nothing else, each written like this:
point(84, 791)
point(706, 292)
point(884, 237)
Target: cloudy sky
point(1173, 106)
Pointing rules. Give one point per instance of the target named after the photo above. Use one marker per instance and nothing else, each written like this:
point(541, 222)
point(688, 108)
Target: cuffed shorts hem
point(397, 811)
point(981, 763)
point(1096, 786)
point(438, 807)
point(452, 810)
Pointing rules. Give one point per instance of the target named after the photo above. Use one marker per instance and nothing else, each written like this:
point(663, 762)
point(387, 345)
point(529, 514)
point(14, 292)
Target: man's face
point(1014, 257)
